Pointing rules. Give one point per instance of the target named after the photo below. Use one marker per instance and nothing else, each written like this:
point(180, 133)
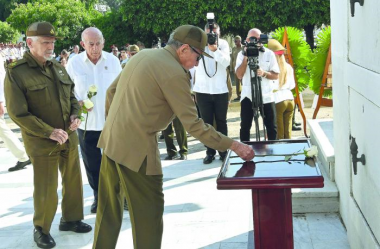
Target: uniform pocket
point(66, 86)
point(38, 95)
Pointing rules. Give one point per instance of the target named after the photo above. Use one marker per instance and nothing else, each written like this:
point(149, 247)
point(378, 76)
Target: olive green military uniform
point(181, 136)
point(152, 89)
point(235, 52)
point(40, 99)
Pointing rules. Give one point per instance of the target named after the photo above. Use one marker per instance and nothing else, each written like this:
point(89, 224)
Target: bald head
point(254, 32)
point(92, 32)
point(93, 43)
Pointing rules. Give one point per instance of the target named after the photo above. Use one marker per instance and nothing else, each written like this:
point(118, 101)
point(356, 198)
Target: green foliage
point(6, 7)
point(69, 17)
point(301, 54)
point(318, 61)
point(115, 30)
point(7, 33)
point(235, 17)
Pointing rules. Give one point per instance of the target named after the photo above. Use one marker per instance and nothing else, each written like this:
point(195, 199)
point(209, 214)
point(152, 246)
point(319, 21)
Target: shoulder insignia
point(12, 65)
point(16, 63)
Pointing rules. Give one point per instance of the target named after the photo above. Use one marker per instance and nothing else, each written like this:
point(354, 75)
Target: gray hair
point(92, 30)
point(173, 42)
point(33, 38)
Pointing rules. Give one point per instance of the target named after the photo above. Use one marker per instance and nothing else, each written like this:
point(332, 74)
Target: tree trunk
point(309, 32)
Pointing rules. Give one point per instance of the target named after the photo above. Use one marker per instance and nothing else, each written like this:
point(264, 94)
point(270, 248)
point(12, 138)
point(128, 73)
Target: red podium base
point(271, 179)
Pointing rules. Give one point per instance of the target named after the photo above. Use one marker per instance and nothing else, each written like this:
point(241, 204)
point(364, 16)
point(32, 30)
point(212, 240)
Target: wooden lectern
point(271, 179)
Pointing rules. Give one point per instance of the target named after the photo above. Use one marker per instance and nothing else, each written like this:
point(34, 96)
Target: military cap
point(41, 29)
point(238, 37)
point(194, 36)
point(134, 49)
point(275, 46)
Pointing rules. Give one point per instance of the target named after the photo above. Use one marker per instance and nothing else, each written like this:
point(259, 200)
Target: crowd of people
point(134, 94)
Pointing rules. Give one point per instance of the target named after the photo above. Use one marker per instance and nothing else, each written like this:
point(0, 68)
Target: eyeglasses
point(199, 55)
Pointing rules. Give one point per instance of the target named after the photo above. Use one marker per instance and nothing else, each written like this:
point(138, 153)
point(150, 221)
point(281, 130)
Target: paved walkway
point(197, 215)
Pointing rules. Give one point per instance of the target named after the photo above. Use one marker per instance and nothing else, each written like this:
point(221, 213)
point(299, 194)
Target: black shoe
point(173, 157)
point(125, 204)
point(74, 226)
point(43, 240)
point(221, 157)
point(208, 159)
point(237, 99)
point(94, 206)
point(182, 157)
point(20, 165)
point(296, 128)
point(297, 123)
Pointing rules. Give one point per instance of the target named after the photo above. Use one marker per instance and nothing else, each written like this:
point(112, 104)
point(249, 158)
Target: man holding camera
point(268, 71)
point(210, 86)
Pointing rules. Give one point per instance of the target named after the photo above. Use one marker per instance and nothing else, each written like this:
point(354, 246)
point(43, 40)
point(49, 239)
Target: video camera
point(253, 46)
point(212, 37)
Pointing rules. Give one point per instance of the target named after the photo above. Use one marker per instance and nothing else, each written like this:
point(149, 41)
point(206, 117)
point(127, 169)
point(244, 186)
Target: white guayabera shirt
point(267, 62)
point(84, 74)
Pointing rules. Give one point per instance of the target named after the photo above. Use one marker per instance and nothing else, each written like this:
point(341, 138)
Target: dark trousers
point(246, 115)
point(92, 157)
point(214, 106)
point(180, 135)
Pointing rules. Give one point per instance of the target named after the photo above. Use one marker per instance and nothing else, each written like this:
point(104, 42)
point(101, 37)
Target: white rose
point(312, 151)
point(88, 104)
point(93, 89)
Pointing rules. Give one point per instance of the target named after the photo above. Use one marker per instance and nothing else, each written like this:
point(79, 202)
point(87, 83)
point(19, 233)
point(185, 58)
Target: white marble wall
point(346, 35)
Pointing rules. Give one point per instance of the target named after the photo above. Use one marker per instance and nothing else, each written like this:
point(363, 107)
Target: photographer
point(268, 71)
point(212, 94)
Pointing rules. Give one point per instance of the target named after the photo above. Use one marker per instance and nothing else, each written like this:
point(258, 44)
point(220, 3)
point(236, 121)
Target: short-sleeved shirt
point(267, 62)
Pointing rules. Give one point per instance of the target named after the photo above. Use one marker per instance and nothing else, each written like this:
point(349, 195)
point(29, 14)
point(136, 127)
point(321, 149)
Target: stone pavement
point(197, 215)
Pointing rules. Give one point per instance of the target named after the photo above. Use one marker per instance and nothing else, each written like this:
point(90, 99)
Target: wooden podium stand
point(289, 59)
point(271, 179)
point(327, 77)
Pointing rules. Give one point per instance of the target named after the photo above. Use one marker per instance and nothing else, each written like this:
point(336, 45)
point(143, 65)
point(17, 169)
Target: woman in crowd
point(282, 94)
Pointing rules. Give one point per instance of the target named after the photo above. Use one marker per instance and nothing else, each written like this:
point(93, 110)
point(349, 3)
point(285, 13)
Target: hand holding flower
point(75, 122)
point(88, 104)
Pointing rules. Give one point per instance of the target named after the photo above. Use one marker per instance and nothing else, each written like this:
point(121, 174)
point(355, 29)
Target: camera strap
point(204, 66)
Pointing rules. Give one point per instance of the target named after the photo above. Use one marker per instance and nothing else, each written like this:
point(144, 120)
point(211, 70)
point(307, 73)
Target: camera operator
point(268, 71)
point(210, 87)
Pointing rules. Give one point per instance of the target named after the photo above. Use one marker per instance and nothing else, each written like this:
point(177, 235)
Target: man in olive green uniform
point(40, 100)
point(152, 89)
point(235, 52)
point(181, 136)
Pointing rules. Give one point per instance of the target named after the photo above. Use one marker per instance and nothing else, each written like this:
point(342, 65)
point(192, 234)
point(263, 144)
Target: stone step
point(326, 199)
point(316, 200)
point(322, 135)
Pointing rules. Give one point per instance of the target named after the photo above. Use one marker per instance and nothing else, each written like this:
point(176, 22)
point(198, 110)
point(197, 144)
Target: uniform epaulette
point(16, 63)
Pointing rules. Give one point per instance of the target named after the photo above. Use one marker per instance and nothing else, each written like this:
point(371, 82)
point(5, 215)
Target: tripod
point(257, 97)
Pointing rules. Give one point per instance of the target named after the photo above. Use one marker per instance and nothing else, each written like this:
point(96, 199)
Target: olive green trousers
point(144, 194)
point(284, 113)
point(181, 135)
point(45, 169)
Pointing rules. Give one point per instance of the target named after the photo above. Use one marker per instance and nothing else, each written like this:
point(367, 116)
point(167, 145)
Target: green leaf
point(318, 61)
point(301, 54)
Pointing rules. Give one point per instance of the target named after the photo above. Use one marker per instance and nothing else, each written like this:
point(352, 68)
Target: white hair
point(33, 38)
point(92, 30)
